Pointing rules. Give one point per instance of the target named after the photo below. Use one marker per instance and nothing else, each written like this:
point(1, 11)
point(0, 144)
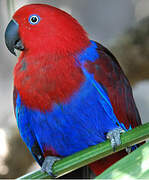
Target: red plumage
point(47, 80)
point(61, 34)
point(49, 60)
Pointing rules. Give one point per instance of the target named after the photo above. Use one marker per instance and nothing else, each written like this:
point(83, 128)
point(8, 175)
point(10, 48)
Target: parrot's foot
point(114, 136)
point(48, 164)
point(128, 149)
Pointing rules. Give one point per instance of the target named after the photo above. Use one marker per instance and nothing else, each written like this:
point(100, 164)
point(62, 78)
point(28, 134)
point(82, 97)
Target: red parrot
point(69, 91)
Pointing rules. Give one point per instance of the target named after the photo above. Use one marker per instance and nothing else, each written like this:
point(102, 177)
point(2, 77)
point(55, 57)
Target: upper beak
point(12, 38)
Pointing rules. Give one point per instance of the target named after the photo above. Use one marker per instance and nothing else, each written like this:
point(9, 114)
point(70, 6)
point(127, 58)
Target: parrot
point(70, 92)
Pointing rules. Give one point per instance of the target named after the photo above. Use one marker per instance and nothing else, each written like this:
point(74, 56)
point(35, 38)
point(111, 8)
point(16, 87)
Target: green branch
point(92, 154)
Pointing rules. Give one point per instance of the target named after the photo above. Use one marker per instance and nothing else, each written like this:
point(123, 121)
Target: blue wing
point(91, 55)
point(102, 69)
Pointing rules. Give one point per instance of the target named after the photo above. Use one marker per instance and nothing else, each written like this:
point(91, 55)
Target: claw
point(48, 164)
point(114, 136)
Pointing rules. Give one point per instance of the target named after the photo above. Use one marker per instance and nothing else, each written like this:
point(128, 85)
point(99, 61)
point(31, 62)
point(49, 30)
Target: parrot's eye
point(34, 19)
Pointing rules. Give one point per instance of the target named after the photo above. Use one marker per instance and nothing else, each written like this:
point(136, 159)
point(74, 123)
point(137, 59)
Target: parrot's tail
point(99, 166)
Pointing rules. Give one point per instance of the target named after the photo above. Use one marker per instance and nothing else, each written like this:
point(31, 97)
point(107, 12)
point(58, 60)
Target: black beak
point(12, 38)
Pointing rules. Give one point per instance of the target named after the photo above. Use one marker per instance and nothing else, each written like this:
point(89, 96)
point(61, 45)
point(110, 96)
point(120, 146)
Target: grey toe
point(48, 164)
point(114, 136)
point(128, 150)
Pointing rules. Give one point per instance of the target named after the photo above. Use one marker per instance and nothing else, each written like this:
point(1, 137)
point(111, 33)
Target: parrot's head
point(42, 28)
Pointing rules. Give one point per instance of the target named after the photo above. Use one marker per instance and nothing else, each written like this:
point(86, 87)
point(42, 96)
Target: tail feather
point(82, 173)
point(99, 166)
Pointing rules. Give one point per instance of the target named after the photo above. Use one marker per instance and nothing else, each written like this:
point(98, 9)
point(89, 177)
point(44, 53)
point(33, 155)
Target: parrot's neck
point(43, 81)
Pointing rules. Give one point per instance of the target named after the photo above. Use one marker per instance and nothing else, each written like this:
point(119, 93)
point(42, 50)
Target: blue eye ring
point(34, 19)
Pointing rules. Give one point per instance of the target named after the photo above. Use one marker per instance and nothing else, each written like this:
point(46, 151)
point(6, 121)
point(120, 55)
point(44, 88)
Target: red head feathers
point(46, 28)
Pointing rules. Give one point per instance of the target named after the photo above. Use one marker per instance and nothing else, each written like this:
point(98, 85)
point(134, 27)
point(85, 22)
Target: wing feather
point(108, 73)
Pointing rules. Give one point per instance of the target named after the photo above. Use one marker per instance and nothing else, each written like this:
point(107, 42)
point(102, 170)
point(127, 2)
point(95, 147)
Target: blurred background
point(122, 26)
